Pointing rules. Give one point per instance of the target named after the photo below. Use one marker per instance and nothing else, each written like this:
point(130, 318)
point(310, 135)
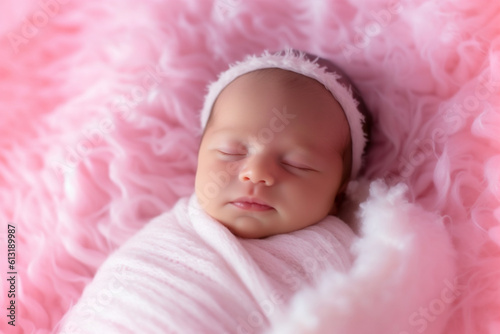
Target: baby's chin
point(249, 228)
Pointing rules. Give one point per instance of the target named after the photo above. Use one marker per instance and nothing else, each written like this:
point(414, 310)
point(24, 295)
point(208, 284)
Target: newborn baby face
point(275, 154)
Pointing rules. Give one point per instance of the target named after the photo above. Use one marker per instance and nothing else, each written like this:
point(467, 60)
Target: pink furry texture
point(100, 109)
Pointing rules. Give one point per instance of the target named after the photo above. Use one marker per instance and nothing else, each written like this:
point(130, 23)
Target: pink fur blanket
point(100, 109)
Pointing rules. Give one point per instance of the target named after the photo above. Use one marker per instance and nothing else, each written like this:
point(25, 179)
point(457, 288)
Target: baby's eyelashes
point(226, 153)
point(298, 166)
point(239, 152)
point(230, 153)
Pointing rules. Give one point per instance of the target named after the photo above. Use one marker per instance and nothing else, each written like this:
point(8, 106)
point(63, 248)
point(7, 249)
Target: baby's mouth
point(251, 204)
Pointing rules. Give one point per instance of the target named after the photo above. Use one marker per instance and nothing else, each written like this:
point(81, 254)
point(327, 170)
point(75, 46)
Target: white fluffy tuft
point(404, 265)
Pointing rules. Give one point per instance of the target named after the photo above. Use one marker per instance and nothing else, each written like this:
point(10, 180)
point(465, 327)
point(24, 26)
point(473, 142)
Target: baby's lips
point(251, 203)
point(252, 206)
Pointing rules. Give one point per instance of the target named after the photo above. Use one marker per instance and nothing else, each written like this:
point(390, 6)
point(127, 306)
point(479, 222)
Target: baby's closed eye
point(298, 165)
point(228, 153)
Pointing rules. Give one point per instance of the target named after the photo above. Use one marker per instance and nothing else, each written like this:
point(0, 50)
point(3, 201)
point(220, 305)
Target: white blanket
point(186, 273)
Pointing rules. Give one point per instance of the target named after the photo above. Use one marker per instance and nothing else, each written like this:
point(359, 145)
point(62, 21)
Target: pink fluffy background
point(99, 122)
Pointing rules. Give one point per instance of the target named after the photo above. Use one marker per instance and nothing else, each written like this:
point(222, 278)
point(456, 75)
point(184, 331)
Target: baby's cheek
point(314, 202)
point(220, 171)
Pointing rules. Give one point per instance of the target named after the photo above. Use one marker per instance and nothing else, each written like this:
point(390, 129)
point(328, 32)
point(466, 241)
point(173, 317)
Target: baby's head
point(282, 138)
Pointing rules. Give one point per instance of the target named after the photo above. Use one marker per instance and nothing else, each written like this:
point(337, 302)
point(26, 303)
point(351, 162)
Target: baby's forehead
point(287, 79)
point(297, 113)
point(271, 84)
point(278, 86)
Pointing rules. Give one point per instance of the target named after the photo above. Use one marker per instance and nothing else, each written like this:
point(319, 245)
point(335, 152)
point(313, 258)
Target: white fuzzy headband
point(298, 62)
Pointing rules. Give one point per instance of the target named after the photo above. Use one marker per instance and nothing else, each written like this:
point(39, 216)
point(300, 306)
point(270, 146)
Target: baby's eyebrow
point(306, 146)
point(222, 130)
point(226, 134)
point(308, 152)
point(314, 152)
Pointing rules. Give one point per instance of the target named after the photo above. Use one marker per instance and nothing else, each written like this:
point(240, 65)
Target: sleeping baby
point(282, 136)
point(281, 140)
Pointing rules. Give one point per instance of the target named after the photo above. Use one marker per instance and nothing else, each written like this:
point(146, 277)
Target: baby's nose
point(258, 171)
